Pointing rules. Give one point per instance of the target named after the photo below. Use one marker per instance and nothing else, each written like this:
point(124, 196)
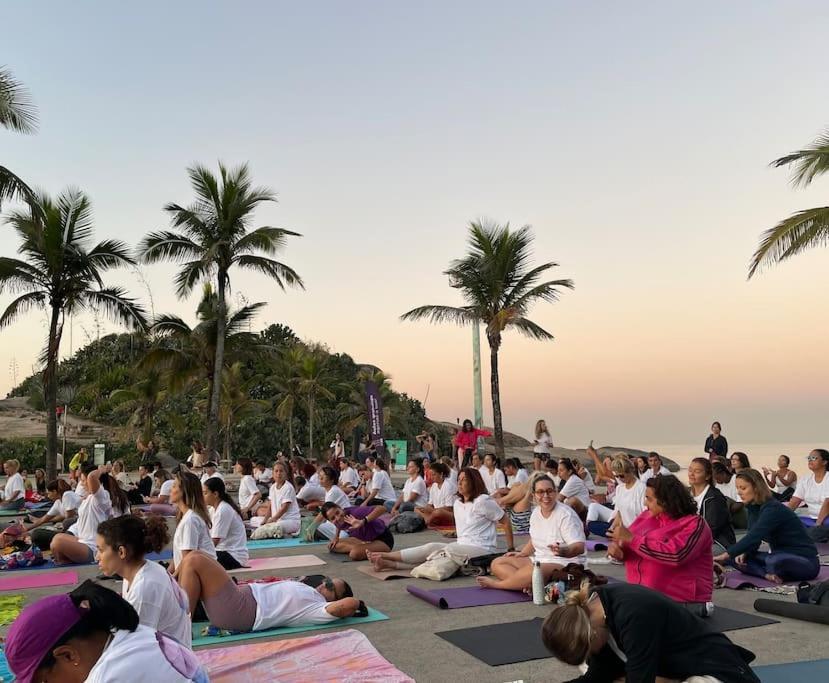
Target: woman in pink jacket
point(668, 547)
point(466, 442)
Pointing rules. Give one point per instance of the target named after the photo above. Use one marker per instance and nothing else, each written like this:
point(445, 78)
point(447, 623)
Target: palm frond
point(546, 291)
point(19, 276)
point(442, 314)
point(243, 316)
point(17, 110)
point(190, 275)
point(170, 324)
point(118, 306)
point(166, 245)
point(530, 329)
point(110, 254)
point(13, 188)
point(266, 239)
point(23, 304)
point(279, 272)
point(808, 163)
point(798, 232)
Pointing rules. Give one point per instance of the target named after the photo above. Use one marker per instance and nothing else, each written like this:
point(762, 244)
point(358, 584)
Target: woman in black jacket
point(716, 445)
point(712, 505)
point(625, 631)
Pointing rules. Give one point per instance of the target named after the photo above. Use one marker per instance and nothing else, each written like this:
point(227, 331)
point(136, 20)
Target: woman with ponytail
point(226, 526)
point(92, 635)
point(154, 594)
point(628, 632)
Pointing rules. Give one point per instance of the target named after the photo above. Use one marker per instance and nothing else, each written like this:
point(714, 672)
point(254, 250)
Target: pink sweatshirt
point(470, 439)
point(672, 556)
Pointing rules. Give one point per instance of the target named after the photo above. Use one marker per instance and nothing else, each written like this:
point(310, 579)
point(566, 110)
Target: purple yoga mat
point(38, 580)
point(591, 546)
point(471, 596)
point(737, 580)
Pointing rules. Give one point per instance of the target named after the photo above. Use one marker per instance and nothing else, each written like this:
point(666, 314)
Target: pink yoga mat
point(44, 580)
point(737, 580)
point(262, 563)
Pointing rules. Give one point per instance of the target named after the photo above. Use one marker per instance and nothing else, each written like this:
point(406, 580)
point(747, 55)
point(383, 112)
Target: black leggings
point(227, 560)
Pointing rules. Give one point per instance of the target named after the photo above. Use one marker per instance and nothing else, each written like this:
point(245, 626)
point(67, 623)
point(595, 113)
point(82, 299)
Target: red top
point(470, 439)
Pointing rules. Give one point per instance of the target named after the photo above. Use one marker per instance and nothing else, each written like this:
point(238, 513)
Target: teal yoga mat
point(201, 641)
point(817, 670)
point(281, 543)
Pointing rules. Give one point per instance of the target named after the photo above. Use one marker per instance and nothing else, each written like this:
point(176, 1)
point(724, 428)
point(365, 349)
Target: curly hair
point(672, 496)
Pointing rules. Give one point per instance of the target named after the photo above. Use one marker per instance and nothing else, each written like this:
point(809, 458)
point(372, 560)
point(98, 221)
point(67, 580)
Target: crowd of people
point(675, 540)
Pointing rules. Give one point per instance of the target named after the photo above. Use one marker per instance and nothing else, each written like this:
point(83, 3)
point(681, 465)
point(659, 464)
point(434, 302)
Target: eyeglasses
point(545, 492)
point(812, 458)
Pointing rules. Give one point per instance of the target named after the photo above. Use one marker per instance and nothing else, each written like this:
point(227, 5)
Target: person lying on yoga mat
point(93, 635)
point(227, 530)
point(442, 494)
point(668, 547)
point(793, 555)
point(712, 505)
point(628, 499)
point(632, 633)
point(261, 606)
point(192, 520)
point(65, 504)
point(556, 539)
point(413, 495)
point(366, 531)
point(321, 528)
point(813, 490)
point(160, 602)
point(476, 519)
point(78, 544)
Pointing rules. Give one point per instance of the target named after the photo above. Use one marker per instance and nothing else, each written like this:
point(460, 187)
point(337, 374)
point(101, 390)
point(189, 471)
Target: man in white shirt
point(210, 471)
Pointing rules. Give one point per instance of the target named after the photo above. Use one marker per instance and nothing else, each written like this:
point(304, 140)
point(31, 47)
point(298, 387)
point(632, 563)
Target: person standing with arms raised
point(716, 445)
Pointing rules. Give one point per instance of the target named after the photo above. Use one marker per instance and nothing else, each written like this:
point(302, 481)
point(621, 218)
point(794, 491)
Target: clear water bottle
point(538, 584)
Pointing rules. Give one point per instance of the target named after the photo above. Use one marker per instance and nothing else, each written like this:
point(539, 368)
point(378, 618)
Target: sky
point(635, 139)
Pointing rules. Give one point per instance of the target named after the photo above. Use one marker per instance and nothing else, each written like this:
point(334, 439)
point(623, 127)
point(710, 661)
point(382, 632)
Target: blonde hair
point(534, 476)
point(14, 464)
point(621, 465)
point(758, 483)
point(566, 630)
point(539, 431)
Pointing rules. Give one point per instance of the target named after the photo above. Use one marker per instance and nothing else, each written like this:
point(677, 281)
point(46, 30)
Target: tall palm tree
point(210, 237)
point(289, 394)
point(499, 287)
point(315, 377)
point(237, 403)
point(17, 113)
point(142, 400)
point(61, 274)
point(804, 229)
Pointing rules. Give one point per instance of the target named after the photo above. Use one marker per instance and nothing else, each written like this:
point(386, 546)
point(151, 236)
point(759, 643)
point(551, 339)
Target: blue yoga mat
point(201, 641)
point(817, 670)
point(154, 557)
point(5, 673)
point(281, 543)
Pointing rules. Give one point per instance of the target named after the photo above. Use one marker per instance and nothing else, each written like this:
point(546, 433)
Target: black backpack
point(814, 594)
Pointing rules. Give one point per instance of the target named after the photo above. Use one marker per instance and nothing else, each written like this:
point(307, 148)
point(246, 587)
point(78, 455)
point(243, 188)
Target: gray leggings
point(419, 554)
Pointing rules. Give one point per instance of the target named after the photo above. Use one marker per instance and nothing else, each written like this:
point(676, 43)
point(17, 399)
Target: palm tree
point(315, 377)
point(209, 238)
point(804, 229)
point(289, 395)
point(17, 113)
point(142, 400)
point(237, 402)
point(61, 274)
point(499, 287)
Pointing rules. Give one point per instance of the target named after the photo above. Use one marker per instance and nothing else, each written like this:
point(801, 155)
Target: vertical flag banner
point(374, 411)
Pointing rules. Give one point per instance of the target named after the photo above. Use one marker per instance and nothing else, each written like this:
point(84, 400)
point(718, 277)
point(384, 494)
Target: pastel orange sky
point(635, 143)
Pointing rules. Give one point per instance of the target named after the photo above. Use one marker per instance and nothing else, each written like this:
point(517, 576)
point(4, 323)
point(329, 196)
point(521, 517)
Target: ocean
point(759, 455)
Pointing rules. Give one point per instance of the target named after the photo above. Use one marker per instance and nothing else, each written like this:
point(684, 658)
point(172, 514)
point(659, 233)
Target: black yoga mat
point(794, 610)
point(520, 641)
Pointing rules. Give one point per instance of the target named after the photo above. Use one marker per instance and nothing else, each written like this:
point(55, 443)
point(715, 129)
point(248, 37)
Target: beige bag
point(439, 566)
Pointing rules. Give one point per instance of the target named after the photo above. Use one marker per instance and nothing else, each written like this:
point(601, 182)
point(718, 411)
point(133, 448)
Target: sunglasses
point(545, 492)
point(329, 585)
point(812, 458)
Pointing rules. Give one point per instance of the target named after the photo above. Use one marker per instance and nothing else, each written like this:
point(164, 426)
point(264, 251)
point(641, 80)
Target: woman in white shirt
point(65, 504)
point(192, 520)
point(493, 477)
point(381, 492)
point(543, 443)
point(573, 492)
point(322, 529)
point(161, 604)
point(556, 540)
point(813, 490)
point(284, 507)
point(14, 494)
point(226, 526)
point(413, 495)
point(515, 474)
point(78, 545)
point(476, 519)
point(442, 494)
point(249, 495)
point(94, 635)
point(629, 501)
point(349, 479)
point(161, 504)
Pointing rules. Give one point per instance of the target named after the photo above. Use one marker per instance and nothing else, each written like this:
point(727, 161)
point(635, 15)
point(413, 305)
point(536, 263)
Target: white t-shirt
point(812, 493)
point(15, 483)
point(453, 477)
point(160, 602)
point(280, 496)
point(288, 603)
point(563, 526)
point(418, 486)
point(588, 481)
point(380, 480)
point(476, 522)
point(166, 488)
point(443, 496)
point(349, 476)
point(336, 495)
point(311, 492)
point(135, 657)
point(80, 489)
point(493, 481)
point(544, 443)
point(265, 475)
point(698, 499)
point(191, 534)
point(629, 502)
point(93, 510)
point(729, 490)
point(229, 528)
point(650, 473)
point(69, 501)
point(247, 489)
point(575, 487)
point(216, 475)
point(518, 478)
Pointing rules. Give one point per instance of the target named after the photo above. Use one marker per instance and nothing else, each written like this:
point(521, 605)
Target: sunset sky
point(634, 138)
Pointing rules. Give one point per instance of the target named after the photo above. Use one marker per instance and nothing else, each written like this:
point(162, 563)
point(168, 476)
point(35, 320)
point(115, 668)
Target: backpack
point(814, 594)
point(407, 523)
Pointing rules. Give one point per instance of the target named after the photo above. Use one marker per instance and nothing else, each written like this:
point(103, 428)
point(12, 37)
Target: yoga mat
point(385, 576)
point(469, 596)
point(816, 614)
point(817, 670)
point(592, 546)
point(256, 564)
point(342, 656)
point(5, 673)
point(10, 606)
point(163, 555)
point(724, 619)
point(738, 580)
point(281, 543)
point(201, 641)
point(14, 583)
point(499, 644)
point(822, 548)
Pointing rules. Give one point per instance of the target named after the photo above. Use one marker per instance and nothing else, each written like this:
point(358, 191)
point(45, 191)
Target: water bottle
point(538, 584)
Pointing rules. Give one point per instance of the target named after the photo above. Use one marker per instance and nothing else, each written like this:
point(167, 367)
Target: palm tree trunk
point(494, 345)
point(310, 426)
point(227, 439)
point(291, 434)
point(218, 363)
point(51, 395)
